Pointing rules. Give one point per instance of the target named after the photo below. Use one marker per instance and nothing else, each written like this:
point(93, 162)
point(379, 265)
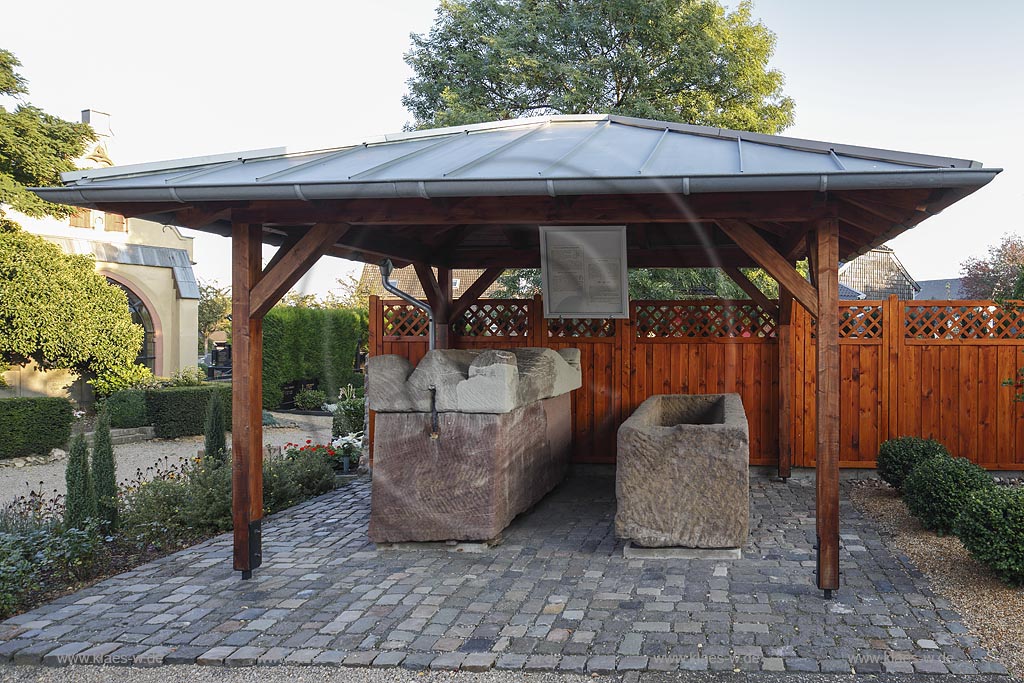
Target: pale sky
point(931, 76)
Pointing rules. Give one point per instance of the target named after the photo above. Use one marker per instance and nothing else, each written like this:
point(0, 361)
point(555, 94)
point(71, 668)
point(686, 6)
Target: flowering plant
point(349, 444)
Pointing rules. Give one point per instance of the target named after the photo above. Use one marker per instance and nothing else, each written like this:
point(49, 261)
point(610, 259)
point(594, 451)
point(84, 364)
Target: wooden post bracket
point(765, 255)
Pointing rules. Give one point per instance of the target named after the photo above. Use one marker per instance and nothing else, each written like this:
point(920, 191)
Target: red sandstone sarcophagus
point(467, 440)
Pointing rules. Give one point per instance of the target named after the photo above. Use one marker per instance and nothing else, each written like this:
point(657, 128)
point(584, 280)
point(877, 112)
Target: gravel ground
point(991, 609)
point(15, 481)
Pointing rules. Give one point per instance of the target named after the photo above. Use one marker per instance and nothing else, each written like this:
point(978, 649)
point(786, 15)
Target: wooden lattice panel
point(860, 321)
point(694, 320)
point(581, 327)
point(963, 322)
point(495, 318)
point(405, 320)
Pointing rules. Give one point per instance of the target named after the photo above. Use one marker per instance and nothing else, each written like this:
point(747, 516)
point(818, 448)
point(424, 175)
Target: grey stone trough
point(502, 440)
point(682, 473)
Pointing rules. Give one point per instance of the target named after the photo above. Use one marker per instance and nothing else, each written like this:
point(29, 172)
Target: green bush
point(104, 473)
point(215, 443)
point(180, 506)
point(310, 344)
point(127, 409)
point(897, 457)
point(80, 504)
point(181, 411)
point(991, 526)
point(350, 416)
point(34, 425)
point(310, 399)
point(40, 551)
point(935, 490)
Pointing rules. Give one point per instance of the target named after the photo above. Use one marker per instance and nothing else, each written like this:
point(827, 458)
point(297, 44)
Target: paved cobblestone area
point(555, 595)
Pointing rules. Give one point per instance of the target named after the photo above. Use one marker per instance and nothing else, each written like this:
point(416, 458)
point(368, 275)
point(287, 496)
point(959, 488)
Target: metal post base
point(828, 593)
point(247, 574)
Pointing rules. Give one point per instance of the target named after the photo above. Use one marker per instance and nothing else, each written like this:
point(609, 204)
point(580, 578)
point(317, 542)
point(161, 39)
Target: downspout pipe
point(386, 268)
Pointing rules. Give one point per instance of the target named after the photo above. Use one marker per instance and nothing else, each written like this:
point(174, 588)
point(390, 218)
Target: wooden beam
point(432, 290)
point(295, 263)
point(607, 209)
point(787, 353)
point(442, 313)
point(827, 456)
point(473, 293)
point(752, 290)
point(371, 257)
point(246, 398)
point(665, 257)
point(772, 261)
point(197, 217)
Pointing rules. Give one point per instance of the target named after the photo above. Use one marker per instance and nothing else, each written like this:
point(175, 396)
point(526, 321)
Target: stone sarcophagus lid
point(682, 473)
point(467, 440)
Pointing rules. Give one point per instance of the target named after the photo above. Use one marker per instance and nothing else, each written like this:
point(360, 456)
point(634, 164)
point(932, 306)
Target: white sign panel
point(583, 271)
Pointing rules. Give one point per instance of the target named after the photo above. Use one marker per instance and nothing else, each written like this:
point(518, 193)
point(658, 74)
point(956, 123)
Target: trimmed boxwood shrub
point(127, 409)
point(181, 411)
point(34, 426)
point(936, 490)
point(991, 526)
point(897, 457)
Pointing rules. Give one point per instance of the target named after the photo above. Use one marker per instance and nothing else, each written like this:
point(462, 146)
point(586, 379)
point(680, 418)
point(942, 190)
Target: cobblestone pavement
point(555, 595)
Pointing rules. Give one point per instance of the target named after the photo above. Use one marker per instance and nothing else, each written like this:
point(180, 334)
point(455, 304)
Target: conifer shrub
point(104, 473)
point(80, 503)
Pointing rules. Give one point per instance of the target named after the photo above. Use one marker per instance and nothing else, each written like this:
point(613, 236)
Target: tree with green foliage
point(35, 148)
point(998, 275)
point(215, 441)
point(653, 283)
point(54, 309)
point(80, 502)
point(57, 311)
point(104, 472)
point(214, 309)
point(690, 61)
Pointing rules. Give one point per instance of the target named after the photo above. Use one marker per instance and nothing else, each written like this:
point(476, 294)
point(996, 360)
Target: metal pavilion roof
point(555, 155)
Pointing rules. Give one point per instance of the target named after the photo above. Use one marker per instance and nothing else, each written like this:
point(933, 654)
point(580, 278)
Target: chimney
point(100, 122)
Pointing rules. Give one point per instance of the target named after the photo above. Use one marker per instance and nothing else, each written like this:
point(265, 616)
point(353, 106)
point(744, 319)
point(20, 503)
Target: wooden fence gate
point(925, 368)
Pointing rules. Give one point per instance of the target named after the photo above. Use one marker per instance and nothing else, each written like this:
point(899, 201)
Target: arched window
point(141, 316)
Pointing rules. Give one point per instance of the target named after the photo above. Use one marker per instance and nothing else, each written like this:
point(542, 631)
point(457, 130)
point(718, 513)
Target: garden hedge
point(310, 344)
point(127, 408)
point(181, 411)
point(937, 490)
point(34, 426)
point(897, 457)
point(991, 526)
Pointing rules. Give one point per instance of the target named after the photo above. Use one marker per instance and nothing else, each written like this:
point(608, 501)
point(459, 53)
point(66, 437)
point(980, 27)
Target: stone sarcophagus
point(467, 440)
point(682, 473)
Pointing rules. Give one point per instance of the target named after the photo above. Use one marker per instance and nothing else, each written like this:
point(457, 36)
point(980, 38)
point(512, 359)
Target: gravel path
point(16, 481)
point(992, 610)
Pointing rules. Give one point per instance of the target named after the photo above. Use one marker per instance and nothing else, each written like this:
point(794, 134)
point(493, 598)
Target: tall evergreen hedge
point(181, 411)
point(34, 425)
point(309, 344)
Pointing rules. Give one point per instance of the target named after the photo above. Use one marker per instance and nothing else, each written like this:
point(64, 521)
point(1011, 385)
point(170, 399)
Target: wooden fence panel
point(932, 369)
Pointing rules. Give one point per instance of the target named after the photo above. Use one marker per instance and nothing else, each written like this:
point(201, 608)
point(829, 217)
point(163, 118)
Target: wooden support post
point(786, 373)
point(246, 399)
point(442, 312)
point(438, 291)
point(826, 266)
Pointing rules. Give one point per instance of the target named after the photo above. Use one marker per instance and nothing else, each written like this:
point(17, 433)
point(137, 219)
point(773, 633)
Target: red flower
point(309, 440)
